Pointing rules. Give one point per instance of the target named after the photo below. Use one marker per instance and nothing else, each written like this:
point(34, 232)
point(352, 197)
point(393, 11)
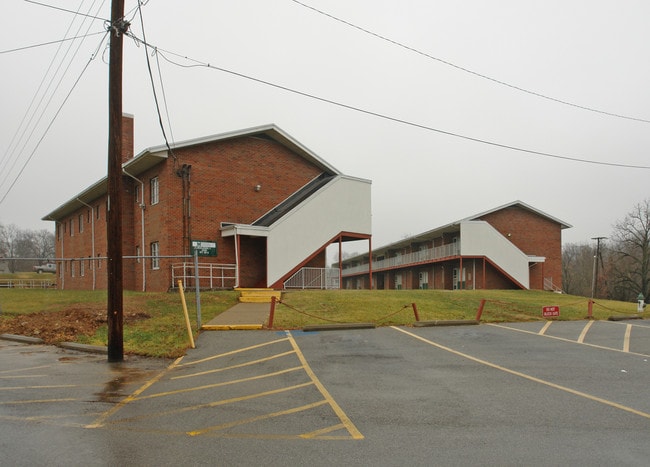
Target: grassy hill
point(154, 323)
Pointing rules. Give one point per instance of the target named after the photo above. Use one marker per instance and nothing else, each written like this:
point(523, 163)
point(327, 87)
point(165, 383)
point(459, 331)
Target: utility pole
point(114, 221)
point(595, 272)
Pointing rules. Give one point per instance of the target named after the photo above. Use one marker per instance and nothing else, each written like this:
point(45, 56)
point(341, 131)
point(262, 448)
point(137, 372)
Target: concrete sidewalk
point(242, 316)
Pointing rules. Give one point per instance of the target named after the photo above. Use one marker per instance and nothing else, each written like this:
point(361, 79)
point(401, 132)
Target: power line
point(153, 86)
point(198, 63)
point(17, 49)
point(76, 13)
point(47, 129)
point(467, 70)
point(19, 136)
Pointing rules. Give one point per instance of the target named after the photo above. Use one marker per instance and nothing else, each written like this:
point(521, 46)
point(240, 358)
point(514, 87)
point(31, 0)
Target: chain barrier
point(617, 311)
point(293, 308)
point(307, 314)
point(392, 314)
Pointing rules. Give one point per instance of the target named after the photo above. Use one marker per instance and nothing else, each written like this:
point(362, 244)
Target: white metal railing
point(314, 278)
point(422, 256)
point(27, 283)
point(549, 285)
point(211, 275)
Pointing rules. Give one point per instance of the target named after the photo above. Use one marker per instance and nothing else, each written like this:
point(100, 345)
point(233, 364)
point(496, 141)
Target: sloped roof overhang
point(153, 156)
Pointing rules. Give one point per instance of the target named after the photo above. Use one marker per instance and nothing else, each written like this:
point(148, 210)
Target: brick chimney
point(127, 137)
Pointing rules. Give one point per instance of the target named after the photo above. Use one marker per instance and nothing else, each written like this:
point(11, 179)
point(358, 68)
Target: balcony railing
point(211, 276)
point(314, 278)
point(409, 259)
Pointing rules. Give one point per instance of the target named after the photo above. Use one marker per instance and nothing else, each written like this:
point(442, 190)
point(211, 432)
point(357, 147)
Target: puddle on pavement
point(114, 389)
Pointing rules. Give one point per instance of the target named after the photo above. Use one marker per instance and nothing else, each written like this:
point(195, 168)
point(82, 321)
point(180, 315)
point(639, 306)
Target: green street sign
point(204, 248)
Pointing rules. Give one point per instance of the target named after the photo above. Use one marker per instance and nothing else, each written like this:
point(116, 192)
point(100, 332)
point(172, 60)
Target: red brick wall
point(534, 235)
point(127, 137)
point(222, 182)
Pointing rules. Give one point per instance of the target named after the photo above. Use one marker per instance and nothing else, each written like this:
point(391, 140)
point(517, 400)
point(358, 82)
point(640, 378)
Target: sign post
point(200, 248)
point(198, 289)
point(550, 311)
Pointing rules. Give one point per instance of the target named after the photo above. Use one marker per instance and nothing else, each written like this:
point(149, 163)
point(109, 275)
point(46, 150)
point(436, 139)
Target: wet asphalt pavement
point(514, 394)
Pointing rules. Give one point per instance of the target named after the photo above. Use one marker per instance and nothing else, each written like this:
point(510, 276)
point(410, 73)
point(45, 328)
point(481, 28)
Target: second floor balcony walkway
point(409, 259)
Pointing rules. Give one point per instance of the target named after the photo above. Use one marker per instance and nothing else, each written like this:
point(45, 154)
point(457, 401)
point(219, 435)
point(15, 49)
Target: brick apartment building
point(514, 246)
point(263, 205)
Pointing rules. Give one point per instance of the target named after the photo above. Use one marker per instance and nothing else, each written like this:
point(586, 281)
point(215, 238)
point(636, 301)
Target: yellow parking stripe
point(546, 326)
point(55, 386)
point(209, 405)
point(233, 352)
point(528, 377)
point(216, 385)
point(16, 370)
point(564, 339)
point(103, 417)
point(257, 419)
point(356, 434)
point(584, 332)
point(22, 376)
point(319, 433)
point(241, 365)
point(37, 401)
point(626, 339)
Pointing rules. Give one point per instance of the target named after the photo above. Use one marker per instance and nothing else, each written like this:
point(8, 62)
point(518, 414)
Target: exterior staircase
point(258, 295)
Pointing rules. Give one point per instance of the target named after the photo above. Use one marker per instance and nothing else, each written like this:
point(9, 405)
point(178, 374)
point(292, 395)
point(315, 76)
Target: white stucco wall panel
point(478, 238)
point(343, 205)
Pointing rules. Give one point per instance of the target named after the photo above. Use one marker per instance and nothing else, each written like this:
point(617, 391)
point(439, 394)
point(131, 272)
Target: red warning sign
point(550, 311)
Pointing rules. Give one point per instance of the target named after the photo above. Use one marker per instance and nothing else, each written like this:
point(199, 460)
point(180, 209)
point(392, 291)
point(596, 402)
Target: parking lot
point(539, 393)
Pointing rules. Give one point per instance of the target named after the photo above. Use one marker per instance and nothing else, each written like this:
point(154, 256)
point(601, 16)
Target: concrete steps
point(260, 295)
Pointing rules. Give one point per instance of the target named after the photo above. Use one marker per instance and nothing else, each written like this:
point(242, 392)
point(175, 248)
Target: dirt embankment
point(62, 326)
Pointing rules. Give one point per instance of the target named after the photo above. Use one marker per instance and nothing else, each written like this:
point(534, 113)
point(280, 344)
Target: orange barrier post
point(187, 316)
point(480, 310)
point(415, 311)
point(272, 312)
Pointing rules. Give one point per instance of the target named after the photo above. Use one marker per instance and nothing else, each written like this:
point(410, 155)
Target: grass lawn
point(393, 307)
point(158, 328)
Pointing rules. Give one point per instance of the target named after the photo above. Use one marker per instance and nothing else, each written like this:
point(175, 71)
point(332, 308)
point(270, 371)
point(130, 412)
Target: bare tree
point(25, 247)
point(577, 266)
point(9, 235)
point(630, 273)
point(37, 244)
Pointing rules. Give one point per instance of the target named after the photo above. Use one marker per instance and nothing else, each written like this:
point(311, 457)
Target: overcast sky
point(447, 66)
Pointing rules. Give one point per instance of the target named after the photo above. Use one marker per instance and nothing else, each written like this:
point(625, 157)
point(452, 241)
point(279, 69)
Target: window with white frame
point(155, 252)
point(81, 223)
point(155, 190)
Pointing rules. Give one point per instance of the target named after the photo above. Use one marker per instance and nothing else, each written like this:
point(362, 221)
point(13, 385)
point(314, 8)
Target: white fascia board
point(563, 225)
point(244, 229)
point(271, 130)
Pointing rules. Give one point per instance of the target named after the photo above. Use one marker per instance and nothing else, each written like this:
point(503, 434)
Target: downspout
point(142, 205)
point(370, 262)
point(236, 258)
point(92, 232)
point(62, 268)
point(340, 263)
point(474, 274)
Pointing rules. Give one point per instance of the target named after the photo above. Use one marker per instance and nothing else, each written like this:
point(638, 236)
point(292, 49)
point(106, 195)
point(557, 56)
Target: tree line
point(32, 246)
point(618, 266)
